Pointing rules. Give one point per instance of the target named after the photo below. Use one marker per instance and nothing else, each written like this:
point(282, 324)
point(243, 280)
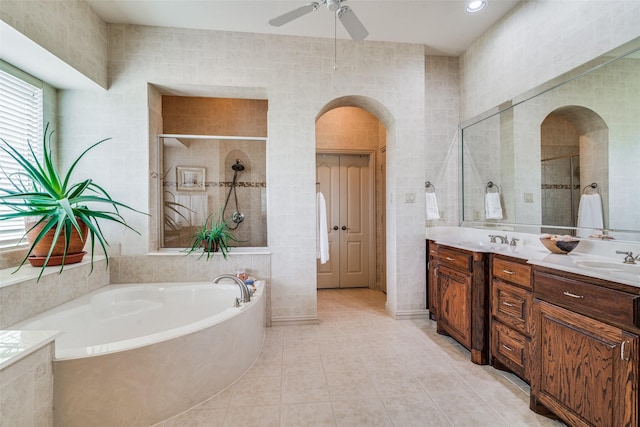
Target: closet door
point(345, 183)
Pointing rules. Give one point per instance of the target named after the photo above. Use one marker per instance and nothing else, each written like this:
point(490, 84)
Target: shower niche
point(212, 157)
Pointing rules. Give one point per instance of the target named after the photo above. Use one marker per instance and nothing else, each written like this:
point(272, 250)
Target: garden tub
point(134, 355)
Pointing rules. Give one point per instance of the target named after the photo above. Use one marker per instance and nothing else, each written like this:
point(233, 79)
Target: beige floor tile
point(253, 416)
point(305, 388)
point(394, 381)
point(359, 367)
point(360, 413)
point(414, 410)
point(252, 390)
point(308, 415)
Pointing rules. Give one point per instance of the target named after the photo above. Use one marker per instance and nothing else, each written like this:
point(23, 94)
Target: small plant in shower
point(213, 236)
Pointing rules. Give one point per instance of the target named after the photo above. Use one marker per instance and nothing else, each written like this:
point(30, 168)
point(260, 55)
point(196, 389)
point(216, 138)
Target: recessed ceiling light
point(476, 6)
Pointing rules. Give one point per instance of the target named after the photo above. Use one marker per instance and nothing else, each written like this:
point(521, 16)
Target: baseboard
point(422, 313)
point(294, 320)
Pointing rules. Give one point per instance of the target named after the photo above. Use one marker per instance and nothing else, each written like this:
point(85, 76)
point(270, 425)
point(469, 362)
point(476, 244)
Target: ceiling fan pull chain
point(335, 42)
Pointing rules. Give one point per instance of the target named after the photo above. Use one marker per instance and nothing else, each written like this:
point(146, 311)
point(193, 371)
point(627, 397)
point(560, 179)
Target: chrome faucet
point(514, 241)
point(629, 258)
point(244, 291)
point(503, 239)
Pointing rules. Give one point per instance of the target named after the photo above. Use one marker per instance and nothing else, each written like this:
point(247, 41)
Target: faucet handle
point(514, 241)
point(628, 259)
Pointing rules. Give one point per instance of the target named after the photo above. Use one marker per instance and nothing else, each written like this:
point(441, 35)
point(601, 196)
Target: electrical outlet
point(409, 197)
point(528, 197)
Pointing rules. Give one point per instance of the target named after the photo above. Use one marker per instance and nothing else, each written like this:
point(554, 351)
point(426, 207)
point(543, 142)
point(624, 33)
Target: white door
point(344, 180)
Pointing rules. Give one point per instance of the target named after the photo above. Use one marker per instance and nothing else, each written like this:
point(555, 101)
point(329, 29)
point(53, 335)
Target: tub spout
point(244, 291)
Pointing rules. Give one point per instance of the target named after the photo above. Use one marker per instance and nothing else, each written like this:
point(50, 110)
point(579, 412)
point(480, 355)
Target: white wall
point(298, 78)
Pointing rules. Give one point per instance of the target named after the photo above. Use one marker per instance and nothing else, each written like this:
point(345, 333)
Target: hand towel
point(199, 209)
point(322, 233)
point(182, 212)
point(493, 206)
point(590, 214)
point(432, 206)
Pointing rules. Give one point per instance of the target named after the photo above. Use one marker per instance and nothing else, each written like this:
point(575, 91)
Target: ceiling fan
point(347, 17)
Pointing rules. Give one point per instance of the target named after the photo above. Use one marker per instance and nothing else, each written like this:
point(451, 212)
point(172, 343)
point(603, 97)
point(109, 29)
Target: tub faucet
point(503, 239)
point(629, 258)
point(244, 291)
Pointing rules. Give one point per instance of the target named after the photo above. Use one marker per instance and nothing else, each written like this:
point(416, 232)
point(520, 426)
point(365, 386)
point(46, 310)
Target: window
point(21, 117)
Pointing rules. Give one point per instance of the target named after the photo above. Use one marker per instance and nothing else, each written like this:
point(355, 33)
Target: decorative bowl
point(559, 246)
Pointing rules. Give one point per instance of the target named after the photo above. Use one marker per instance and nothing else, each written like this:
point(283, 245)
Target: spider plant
point(213, 236)
point(41, 192)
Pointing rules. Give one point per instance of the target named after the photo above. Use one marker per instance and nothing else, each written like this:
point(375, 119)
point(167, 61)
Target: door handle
point(335, 227)
point(344, 227)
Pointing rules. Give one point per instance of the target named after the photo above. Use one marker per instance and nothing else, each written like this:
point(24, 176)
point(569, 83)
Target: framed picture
point(190, 178)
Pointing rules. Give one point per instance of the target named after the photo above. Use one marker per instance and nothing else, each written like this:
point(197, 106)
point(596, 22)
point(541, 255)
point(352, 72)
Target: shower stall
point(221, 176)
point(560, 193)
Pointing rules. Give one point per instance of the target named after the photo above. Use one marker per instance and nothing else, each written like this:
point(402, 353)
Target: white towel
point(182, 212)
point(322, 234)
point(590, 214)
point(432, 206)
point(492, 206)
point(199, 209)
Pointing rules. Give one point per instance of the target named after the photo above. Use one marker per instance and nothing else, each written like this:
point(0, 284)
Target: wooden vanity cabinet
point(432, 273)
point(584, 352)
point(462, 309)
point(511, 304)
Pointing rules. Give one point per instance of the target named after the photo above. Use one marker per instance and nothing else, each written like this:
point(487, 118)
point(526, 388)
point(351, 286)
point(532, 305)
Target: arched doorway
point(574, 155)
point(351, 139)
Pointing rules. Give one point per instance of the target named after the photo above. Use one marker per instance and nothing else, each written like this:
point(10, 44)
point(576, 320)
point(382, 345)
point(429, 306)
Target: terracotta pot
point(42, 248)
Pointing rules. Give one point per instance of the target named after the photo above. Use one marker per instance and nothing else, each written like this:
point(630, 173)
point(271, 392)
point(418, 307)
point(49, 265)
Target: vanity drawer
point(455, 259)
point(511, 349)
point(511, 305)
point(601, 303)
point(512, 272)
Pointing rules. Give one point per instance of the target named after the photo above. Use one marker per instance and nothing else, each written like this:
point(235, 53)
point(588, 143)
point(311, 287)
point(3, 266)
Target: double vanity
point(566, 324)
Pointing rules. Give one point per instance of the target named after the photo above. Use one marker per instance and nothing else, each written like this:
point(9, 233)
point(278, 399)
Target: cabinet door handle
point(569, 294)
point(508, 272)
point(507, 304)
point(623, 351)
point(507, 347)
point(449, 258)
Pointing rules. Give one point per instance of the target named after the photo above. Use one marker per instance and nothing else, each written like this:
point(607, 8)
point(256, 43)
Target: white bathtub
point(134, 355)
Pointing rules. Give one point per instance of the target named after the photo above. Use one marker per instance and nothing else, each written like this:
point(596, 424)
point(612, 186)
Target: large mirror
point(562, 158)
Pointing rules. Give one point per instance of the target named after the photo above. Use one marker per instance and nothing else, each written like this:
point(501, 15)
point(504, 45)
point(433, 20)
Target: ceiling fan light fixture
point(333, 5)
point(476, 6)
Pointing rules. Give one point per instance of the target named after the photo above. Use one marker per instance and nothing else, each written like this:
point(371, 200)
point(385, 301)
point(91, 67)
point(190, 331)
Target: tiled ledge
point(9, 276)
point(15, 345)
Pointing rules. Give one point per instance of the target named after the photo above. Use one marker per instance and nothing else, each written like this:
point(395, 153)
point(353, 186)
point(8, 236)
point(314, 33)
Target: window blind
point(20, 122)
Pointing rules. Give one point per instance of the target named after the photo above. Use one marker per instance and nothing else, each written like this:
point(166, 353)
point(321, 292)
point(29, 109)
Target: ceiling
point(442, 26)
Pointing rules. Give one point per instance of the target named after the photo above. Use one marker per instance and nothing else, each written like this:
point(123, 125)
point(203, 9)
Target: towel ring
point(491, 186)
point(429, 185)
point(591, 189)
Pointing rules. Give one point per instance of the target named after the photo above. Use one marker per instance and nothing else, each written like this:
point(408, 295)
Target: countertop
point(530, 249)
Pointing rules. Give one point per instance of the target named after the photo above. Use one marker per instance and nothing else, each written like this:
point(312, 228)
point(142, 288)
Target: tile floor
point(361, 368)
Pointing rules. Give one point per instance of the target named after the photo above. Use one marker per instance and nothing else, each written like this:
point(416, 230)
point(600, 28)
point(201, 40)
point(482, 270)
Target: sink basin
point(609, 266)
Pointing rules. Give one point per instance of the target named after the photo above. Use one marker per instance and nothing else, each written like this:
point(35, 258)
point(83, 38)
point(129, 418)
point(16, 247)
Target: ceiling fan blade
point(352, 24)
point(294, 14)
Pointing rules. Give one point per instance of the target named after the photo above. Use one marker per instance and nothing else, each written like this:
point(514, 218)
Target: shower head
point(237, 166)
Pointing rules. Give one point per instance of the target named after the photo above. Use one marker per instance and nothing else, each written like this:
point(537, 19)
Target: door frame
point(372, 206)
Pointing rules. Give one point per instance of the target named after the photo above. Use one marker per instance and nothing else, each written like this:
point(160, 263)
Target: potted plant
point(57, 211)
point(213, 236)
